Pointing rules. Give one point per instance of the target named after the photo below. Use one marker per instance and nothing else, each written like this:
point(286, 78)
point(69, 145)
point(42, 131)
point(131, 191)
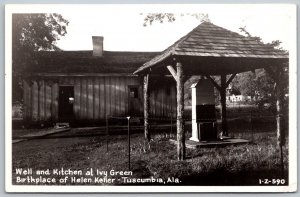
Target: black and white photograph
point(151, 98)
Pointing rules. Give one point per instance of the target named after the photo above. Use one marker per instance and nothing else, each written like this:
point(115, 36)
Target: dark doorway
point(66, 101)
point(134, 105)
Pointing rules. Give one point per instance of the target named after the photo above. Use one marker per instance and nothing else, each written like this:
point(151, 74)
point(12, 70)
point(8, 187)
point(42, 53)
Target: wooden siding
point(163, 101)
point(94, 98)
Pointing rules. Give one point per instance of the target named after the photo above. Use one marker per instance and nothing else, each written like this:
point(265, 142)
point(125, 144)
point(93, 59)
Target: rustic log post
point(276, 75)
point(146, 108)
point(180, 109)
point(279, 118)
point(223, 105)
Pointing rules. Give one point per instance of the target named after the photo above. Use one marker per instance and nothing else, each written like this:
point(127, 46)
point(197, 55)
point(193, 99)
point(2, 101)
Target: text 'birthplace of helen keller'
point(64, 176)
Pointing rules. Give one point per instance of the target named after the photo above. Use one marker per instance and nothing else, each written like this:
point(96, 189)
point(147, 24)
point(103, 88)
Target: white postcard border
point(161, 189)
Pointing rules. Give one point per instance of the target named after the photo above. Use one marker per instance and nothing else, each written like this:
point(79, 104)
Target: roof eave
point(150, 64)
point(153, 62)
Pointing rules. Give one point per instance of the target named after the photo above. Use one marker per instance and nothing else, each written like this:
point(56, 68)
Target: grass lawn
point(231, 165)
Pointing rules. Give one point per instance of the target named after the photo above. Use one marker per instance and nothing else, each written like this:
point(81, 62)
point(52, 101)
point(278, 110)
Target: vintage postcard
point(151, 98)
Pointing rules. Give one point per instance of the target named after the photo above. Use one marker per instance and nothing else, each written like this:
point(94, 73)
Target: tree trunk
point(180, 108)
point(146, 108)
point(223, 105)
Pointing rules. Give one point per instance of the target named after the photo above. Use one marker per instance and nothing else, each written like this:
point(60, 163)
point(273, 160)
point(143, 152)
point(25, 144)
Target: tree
point(275, 43)
point(171, 17)
point(259, 83)
point(31, 33)
point(256, 83)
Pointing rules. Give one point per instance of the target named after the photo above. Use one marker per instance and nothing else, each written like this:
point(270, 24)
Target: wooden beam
point(146, 108)
point(180, 109)
point(223, 105)
point(230, 79)
point(173, 72)
point(214, 82)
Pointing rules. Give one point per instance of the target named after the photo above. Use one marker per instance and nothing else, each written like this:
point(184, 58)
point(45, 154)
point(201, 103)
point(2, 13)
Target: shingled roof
point(209, 40)
point(85, 62)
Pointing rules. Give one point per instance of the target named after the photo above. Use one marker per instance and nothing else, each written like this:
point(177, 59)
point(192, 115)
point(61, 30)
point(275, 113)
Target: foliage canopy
point(31, 33)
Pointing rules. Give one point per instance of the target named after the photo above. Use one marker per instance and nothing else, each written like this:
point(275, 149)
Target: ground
point(85, 148)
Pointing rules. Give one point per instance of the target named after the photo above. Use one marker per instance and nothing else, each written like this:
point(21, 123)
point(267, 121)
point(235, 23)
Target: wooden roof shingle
point(209, 40)
point(85, 62)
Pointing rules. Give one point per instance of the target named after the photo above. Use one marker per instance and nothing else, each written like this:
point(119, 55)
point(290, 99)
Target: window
point(133, 92)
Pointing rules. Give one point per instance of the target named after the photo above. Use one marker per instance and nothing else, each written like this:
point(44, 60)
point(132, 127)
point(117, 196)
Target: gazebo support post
point(222, 90)
point(178, 76)
point(276, 75)
point(146, 109)
point(223, 105)
point(180, 109)
point(279, 119)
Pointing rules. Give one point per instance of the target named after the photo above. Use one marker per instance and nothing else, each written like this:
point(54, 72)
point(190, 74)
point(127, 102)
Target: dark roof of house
point(85, 62)
point(209, 40)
